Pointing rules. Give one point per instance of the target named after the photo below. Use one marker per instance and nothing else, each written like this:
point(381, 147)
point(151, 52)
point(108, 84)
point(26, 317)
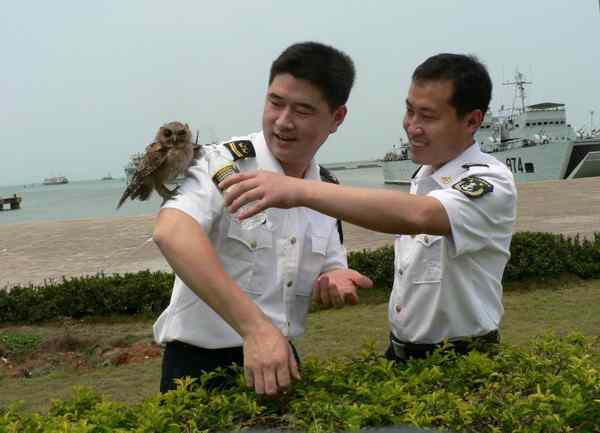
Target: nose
point(412, 128)
point(284, 119)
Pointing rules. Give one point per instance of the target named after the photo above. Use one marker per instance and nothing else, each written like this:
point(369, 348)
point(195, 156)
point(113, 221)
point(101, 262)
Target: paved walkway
point(32, 252)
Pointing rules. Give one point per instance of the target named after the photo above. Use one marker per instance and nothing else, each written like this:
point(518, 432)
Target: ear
point(473, 120)
point(338, 118)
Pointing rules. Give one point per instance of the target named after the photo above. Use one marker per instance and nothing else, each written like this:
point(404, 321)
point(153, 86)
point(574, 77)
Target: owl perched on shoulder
point(167, 157)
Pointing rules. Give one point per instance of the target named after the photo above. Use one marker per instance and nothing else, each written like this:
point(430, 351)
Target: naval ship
point(535, 142)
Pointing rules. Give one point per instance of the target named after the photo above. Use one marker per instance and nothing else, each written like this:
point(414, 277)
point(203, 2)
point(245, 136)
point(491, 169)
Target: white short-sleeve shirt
point(276, 265)
point(451, 286)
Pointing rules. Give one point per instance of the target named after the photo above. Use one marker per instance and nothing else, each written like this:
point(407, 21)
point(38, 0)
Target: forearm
point(376, 209)
point(190, 253)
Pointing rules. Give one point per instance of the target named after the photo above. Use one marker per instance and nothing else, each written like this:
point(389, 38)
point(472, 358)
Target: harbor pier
point(13, 202)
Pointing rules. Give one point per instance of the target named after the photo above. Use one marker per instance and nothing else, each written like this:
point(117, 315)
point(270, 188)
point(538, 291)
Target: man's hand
point(266, 189)
point(269, 362)
point(339, 287)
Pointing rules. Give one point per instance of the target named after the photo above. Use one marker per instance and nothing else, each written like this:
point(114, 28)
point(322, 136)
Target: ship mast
point(519, 84)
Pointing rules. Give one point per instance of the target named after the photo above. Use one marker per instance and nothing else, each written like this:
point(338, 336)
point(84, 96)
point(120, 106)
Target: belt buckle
point(399, 349)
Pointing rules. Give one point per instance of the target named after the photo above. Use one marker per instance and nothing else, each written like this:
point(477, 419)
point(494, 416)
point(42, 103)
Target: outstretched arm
point(376, 209)
point(269, 363)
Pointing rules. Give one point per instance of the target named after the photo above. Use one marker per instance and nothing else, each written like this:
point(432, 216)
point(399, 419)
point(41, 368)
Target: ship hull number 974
point(516, 165)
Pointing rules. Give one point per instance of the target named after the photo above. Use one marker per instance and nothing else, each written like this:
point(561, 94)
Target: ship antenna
point(519, 84)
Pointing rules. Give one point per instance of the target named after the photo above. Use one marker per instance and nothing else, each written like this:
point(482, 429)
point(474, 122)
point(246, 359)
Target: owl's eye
point(167, 133)
point(182, 132)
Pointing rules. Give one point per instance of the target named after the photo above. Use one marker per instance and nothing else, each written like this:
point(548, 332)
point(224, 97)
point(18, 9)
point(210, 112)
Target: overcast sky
point(85, 84)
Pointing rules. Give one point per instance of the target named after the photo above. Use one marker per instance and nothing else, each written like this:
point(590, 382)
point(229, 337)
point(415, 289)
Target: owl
point(167, 157)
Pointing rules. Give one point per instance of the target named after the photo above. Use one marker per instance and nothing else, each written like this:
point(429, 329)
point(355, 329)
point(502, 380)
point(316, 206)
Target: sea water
point(98, 198)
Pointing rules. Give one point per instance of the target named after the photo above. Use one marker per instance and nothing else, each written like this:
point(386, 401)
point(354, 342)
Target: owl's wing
point(155, 156)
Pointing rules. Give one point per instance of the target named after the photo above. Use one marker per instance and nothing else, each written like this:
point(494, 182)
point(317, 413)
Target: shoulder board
point(327, 175)
point(240, 149)
point(416, 171)
point(473, 186)
point(468, 166)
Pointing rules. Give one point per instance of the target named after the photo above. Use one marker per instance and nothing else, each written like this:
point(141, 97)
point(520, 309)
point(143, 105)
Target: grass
point(532, 308)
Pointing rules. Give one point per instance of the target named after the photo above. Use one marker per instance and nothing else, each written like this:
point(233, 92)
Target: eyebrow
point(274, 96)
point(303, 105)
point(425, 109)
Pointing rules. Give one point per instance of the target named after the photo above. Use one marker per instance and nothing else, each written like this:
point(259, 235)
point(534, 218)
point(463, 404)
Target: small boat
point(55, 180)
point(13, 202)
point(107, 177)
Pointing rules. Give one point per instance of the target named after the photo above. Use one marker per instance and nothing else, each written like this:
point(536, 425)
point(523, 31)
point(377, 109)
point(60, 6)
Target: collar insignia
point(473, 186)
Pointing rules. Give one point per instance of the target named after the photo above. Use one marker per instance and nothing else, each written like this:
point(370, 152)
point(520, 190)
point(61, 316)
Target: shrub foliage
point(533, 255)
point(553, 386)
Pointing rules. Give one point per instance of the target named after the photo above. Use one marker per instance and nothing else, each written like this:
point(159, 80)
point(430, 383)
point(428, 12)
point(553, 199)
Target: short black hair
point(327, 68)
point(471, 80)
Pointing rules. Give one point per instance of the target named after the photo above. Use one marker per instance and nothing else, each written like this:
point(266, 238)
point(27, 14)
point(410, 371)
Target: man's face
point(435, 132)
point(296, 121)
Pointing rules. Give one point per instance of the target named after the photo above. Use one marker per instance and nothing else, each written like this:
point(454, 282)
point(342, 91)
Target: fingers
point(259, 382)
point(249, 377)
point(253, 196)
point(283, 377)
point(236, 178)
point(335, 296)
point(339, 287)
point(324, 290)
point(235, 192)
point(270, 381)
point(351, 298)
point(269, 363)
point(327, 293)
point(363, 281)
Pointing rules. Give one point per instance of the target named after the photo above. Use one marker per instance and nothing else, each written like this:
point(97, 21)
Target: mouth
point(417, 144)
point(283, 138)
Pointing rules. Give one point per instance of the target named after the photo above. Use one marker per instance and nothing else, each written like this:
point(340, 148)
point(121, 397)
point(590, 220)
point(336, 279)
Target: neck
point(462, 149)
point(294, 171)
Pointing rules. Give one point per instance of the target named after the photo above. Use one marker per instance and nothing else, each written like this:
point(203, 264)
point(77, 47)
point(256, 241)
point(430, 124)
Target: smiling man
point(240, 296)
point(454, 227)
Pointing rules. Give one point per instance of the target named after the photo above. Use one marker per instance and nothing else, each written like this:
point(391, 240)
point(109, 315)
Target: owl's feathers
point(167, 157)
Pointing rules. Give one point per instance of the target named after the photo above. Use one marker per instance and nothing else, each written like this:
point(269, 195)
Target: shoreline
point(31, 252)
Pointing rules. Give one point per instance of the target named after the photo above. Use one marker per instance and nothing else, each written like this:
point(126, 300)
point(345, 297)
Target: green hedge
point(97, 295)
point(553, 386)
point(534, 255)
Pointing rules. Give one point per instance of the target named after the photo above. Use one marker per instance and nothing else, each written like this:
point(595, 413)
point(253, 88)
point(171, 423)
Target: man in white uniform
point(455, 224)
point(240, 295)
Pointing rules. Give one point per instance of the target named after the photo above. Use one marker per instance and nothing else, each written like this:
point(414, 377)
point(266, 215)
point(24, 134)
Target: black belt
point(401, 350)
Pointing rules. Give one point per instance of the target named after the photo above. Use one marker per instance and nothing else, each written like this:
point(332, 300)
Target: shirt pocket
point(311, 263)
point(428, 260)
point(242, 253)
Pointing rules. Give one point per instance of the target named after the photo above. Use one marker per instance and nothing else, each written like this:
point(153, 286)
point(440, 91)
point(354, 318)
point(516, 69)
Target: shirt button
point(253, 244)
point(398, 308)
point(293, 241)
point(289, 284)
